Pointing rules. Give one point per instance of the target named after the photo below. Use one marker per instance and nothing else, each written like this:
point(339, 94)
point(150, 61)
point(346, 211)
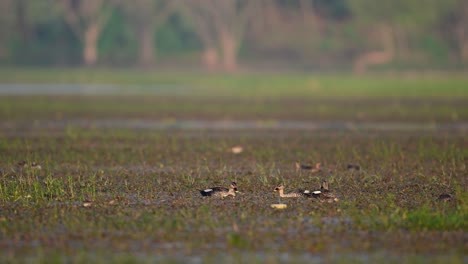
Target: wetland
point(120, 178)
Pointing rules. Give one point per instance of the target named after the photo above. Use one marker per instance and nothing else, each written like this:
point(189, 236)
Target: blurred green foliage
point(294, 33)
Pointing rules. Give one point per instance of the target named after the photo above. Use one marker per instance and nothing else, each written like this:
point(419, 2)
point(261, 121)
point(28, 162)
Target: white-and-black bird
point(220, 192)
point(324, 195)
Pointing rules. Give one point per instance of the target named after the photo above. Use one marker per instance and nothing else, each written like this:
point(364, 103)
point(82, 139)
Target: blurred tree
point(389, 21)
point(461, 29)
point(308, 33)
point(86, 19)
point(119, 44)
point(203, 24)
point(147, 16)
point(31, 37)
point(6, 23)
point(177, 37)
point(221, 26)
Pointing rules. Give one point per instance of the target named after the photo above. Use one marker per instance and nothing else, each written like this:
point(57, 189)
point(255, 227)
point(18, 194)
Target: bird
point(300, 193)
point(325, 195)
point(237, 149)
point(445, 197)
point(312, 169)
point(353, 167)
point(24, 165)
point(220, 192)
point(36, 166)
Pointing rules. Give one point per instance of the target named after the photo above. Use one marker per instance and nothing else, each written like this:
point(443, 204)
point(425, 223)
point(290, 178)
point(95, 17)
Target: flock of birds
point(32, 165)
point(323, 194)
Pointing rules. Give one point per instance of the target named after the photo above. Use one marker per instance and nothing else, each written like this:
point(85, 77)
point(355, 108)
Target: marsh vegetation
point(125, 194)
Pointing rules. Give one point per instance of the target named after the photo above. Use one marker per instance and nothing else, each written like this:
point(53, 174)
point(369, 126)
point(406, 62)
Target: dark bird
point(353, 167)
point(445, 197)
point(325, 195)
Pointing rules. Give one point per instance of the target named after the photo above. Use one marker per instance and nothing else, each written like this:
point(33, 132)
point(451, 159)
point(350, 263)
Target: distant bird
point(87, 203)
point(300, 193)
point(36, 166)
point(312, 169)
point(24, 165)
point(325, 195)
point(445, 197)
point(220, 192)
point(353, 167)
point(237, 149)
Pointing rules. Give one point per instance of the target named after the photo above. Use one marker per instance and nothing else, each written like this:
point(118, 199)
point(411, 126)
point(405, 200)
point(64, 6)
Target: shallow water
point(28, 89)
point(234, 125)
point(57, 89)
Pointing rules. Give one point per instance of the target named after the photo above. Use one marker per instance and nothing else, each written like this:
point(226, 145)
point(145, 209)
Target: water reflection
point(229, 125)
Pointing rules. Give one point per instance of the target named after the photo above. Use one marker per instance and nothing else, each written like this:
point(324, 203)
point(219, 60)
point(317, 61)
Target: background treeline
point(223, 34)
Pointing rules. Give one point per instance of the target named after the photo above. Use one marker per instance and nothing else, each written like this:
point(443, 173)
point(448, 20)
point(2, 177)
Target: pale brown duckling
point(280, 189)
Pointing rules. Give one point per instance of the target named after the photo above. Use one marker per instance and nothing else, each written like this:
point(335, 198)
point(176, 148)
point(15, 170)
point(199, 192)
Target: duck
point(300, 193)
point(36, 166)
point(325, 195)
point(312, 169)
point(353, 167)
point(24, 165)
point(220, 192)
point(445, 197)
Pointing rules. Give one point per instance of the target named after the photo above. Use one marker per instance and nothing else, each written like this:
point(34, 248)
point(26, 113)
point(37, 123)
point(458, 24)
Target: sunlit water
point(26, 89)
point(213, 125)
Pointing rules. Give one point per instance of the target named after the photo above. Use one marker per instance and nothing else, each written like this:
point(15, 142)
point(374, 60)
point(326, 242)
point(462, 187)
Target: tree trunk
point(462, 32)
point(229, 50)
point(210, 58)
point(146, 46)
point(91, 36)
point(464, 52)
point(462, 41)
point(3, 51)
point(21, 20)
point(377, 57)
point(402, 48)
